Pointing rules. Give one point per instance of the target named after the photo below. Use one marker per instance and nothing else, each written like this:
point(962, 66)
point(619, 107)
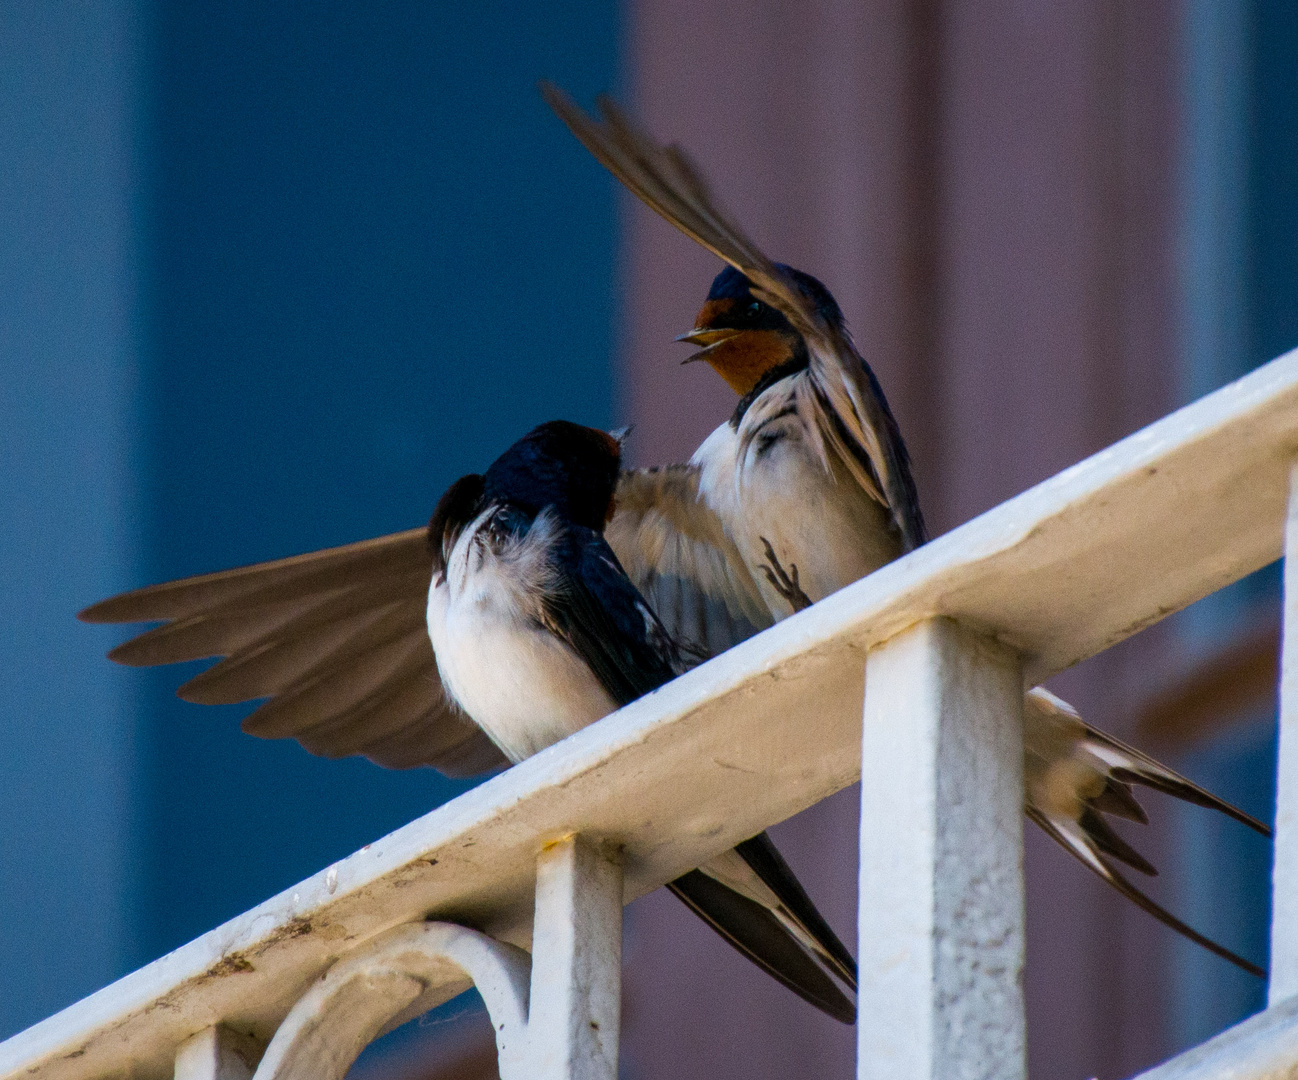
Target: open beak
point(709, 339)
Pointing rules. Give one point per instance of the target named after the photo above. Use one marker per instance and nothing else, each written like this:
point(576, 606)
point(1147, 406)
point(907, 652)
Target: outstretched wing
point(855, 419)
point(1075, 774)
point(675, 551)
point(337, 641)
point(669, 183)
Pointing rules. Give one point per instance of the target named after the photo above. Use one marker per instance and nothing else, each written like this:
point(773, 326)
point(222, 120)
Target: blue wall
point(66, 386)
point(376, 259)
point(1273, 179)
point(367, 258)
point(1241, 293)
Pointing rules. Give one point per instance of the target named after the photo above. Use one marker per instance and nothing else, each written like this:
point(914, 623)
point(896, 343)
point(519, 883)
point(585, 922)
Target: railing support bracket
point(555, 1015)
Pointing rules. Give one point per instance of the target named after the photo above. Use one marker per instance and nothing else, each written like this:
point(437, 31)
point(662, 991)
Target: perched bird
point(807, 488)
point(536, 632)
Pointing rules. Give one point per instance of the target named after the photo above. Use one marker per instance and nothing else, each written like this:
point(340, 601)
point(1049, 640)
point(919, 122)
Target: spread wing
point(675, 551)
point(1074, 774)
point(855, 420)
point(335, 639)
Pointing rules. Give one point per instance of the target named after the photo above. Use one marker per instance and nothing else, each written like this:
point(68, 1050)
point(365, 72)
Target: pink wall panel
point(988, 189)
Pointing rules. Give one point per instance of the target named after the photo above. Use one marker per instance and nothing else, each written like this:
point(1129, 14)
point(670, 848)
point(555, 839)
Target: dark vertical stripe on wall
point(375, 260)
point(1228, 888)
point(919, 260)
point(1273, 179)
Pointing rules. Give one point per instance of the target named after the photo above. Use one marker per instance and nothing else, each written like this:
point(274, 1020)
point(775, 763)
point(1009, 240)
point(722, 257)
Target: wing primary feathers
point(1190, 792)
point(398, 696)
point(275, 611)
point(326, 692)
point(335, 638)
point(274, 666)
point(1079, 849)
point(220, 631)
point(666, 181)
point(765, 860)
point(759, 935)
point(310, 573)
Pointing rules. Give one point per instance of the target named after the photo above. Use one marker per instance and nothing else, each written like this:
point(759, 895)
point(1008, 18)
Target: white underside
point(523, 686)
point(817, 519)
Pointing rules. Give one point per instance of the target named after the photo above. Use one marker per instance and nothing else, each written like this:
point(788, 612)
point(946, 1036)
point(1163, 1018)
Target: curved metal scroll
point(574, 982)
point(361, 996)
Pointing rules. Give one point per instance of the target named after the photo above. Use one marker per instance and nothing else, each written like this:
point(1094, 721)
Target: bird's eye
point(754, 308)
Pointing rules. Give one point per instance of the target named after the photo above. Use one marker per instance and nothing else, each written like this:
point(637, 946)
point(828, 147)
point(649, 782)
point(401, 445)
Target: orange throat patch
point(743, 359)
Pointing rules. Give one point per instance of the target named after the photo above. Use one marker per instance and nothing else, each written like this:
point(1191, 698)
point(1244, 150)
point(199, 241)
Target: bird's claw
point(784, 582)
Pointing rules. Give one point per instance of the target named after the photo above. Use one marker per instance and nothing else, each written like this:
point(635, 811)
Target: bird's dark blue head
point(571, 468)
point(744, 338)
point(562, 465)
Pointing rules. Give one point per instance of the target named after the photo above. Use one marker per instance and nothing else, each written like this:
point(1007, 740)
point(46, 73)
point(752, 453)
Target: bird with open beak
point(809, 488)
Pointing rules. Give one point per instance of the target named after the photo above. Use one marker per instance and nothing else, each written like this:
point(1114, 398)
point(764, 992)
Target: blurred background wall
point(275, 275)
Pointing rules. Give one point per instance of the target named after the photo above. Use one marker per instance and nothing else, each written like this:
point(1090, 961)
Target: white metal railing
point(542, 857)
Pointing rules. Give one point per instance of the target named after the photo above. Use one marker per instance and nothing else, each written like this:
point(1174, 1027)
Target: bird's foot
point(784, 582)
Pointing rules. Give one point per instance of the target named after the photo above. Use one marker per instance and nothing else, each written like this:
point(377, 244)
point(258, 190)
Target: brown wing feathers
point(312, 571)
point(1133, 767)
point(678, 555)
point(336, 639)
point(222, 631)
point(302, 648)
point(668, 182)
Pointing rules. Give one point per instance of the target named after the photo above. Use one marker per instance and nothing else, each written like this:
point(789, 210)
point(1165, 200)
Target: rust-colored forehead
point(714, 310)
point(614, 447)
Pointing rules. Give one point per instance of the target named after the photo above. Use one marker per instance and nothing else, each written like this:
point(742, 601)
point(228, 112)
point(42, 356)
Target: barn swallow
point(807, 488)
point(536, 632)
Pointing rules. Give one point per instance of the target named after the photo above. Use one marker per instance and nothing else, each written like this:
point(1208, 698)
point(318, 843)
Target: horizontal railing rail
point(1049, 578)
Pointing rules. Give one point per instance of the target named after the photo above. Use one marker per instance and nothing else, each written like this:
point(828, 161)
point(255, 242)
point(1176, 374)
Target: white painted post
point(575, 998)
point(941, 888)
point(1284, 876)
point(217, 1053)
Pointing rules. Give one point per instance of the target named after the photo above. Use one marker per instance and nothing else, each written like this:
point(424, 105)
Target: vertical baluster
point(217, 1053)
point(575, 998)
point(941, 894)
point(1284, 879)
